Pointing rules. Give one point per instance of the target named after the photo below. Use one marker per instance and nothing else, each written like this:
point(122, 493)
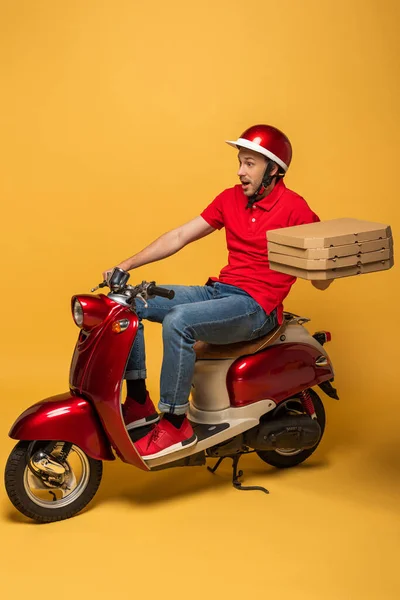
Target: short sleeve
point(302, 215)
point(214, 214)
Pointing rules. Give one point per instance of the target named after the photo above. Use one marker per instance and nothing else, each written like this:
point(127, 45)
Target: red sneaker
point(166, 438)
point(137, 415)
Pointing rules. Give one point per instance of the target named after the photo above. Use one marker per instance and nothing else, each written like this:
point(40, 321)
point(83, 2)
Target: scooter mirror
point(118, 279)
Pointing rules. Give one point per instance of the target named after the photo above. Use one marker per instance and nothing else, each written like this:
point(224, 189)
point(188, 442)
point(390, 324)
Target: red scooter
point(246, 397)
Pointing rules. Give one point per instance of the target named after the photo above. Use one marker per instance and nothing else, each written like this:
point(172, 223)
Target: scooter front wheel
point(59, 496)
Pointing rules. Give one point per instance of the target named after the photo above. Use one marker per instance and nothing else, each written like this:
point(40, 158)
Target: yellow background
point(113, 119)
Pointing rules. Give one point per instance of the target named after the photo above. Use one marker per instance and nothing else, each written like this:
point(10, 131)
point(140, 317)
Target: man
point(243, 303)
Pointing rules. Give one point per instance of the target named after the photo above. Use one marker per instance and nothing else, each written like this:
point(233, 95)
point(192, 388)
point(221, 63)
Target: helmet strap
point(266, 181)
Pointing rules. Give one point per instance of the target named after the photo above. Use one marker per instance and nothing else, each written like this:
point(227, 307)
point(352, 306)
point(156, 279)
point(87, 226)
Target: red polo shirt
point(246, 229)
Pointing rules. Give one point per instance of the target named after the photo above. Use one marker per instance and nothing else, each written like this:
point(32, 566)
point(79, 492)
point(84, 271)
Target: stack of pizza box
point(331, 249)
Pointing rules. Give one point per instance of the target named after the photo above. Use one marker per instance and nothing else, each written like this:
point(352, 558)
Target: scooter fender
point(66, 418)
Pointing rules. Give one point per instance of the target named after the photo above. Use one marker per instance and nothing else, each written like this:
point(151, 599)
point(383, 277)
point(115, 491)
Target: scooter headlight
point(89, 311)
point(77, 313)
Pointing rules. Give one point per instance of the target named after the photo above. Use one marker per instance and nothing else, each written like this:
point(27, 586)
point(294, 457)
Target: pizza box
point(318, 264)
point(334, 251)
point(360, 269)
point(326, 234)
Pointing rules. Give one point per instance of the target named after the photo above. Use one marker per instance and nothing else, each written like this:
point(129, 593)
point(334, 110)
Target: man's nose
point(241, 171)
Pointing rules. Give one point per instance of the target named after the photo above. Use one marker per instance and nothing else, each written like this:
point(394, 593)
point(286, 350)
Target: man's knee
point(176, 319)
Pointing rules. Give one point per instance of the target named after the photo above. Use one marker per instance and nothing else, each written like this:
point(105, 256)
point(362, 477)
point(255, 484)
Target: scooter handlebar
point(150, 289)
point(155, 290)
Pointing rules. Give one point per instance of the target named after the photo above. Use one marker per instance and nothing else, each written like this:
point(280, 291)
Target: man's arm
point(167, 244)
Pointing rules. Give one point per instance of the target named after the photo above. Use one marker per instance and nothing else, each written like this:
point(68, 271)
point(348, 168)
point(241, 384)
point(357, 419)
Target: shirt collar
point(269, 201)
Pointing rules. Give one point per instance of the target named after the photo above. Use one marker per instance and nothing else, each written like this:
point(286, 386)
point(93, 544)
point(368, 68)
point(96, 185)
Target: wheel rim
point(292, 411)
point(288, 451)
point(75, 482)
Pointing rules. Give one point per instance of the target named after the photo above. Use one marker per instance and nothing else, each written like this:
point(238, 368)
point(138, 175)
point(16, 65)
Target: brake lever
point(142, 299)
point(101, 285)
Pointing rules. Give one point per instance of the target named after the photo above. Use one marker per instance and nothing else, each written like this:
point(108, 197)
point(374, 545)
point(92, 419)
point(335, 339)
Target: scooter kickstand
point(235, 478)
point(215, 467)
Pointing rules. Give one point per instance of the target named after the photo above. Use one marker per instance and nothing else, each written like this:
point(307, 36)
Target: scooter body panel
point(97, 372)
point(67, 418)
point(277, 373)
point(289, 365)
point(91, 337)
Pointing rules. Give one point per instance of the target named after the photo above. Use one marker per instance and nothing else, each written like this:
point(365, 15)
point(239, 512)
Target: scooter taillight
point(322, 337)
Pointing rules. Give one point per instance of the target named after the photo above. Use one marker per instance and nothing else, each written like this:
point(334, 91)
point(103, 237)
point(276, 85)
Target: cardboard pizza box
point(318, 264)
point(334, 251)
point(333, 273)
point(325, 234)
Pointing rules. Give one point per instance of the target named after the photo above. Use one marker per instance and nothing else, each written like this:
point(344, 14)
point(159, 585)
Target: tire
point(284, 459)
point(20, 483)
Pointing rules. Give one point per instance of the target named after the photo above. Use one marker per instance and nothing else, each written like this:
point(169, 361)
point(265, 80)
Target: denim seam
point(232, 319)
point(178, 379)
point(219, 320)
point(269, 318)
point(181, 407)
point(139, 374)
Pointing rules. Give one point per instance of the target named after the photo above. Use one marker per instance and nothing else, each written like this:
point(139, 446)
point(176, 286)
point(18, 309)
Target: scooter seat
point(206, 351)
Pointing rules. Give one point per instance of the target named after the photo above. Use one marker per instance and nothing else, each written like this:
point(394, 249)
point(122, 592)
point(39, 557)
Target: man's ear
point(274, 169)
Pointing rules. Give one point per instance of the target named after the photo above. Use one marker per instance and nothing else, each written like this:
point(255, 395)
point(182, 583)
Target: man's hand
point(322, 284)
point(107, 273)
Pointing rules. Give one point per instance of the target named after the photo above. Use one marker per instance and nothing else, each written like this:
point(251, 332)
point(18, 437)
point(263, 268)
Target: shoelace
point(156, 434)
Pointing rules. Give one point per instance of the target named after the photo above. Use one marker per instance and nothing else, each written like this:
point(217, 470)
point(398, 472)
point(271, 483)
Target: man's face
point(251, 170)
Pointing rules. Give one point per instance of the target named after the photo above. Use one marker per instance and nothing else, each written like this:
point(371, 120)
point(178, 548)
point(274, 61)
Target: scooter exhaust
point(294, 432)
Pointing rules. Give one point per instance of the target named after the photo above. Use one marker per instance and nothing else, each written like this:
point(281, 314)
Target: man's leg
point(231, 316)
point(223, 320)
point(138, 409)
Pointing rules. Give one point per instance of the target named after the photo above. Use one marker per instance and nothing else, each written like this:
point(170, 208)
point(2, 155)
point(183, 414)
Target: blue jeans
point(217, 314)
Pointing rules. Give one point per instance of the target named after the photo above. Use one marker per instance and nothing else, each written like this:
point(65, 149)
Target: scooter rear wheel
point(286, 458)
point(44, 502)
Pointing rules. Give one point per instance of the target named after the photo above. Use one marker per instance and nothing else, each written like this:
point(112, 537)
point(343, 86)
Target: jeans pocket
point(266, 323)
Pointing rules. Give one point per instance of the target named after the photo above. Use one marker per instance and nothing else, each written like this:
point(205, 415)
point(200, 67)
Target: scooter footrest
point(194, 460)
point(207, 430)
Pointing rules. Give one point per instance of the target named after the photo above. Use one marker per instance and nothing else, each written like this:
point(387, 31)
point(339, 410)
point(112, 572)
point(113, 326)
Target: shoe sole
point(142, 422)
point(174, 448)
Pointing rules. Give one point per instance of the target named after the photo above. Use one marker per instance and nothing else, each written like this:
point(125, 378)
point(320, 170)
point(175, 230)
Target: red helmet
point(266, 140)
